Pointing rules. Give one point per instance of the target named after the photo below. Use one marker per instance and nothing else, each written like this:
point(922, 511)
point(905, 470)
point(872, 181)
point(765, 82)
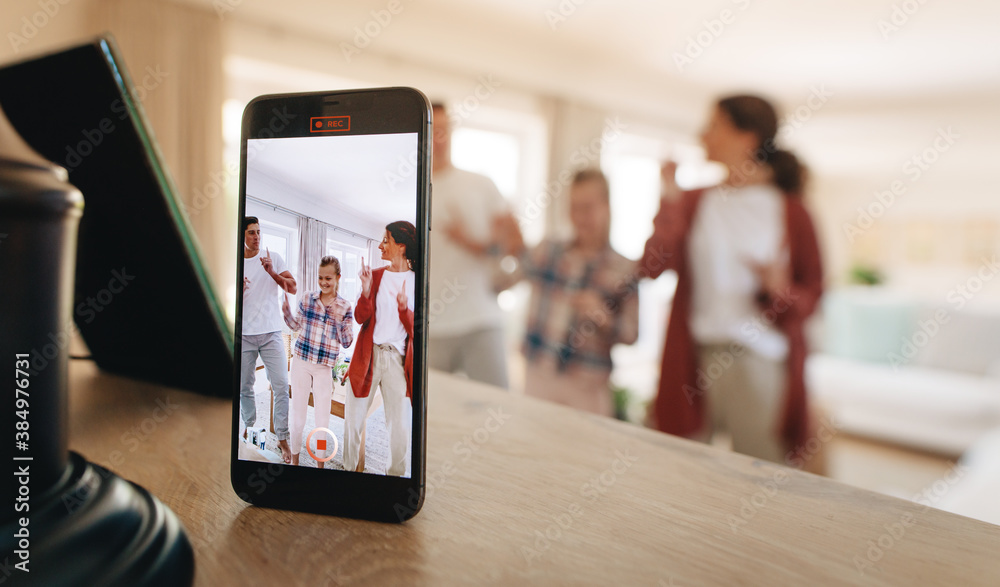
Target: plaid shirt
point(321, 332)
point(557, 274)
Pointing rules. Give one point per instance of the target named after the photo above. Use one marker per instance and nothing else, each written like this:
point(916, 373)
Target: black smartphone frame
point(330, 491)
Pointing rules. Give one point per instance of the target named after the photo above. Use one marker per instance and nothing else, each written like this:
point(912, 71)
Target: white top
point(462, 299)
point(388, 328)
point(731, 231)
point(262, 302)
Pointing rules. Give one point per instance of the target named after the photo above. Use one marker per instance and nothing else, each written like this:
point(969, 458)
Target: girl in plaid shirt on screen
point(583, 302)
point(323, 322)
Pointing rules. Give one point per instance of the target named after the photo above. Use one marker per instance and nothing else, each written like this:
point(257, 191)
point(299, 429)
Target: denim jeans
point(271, 349)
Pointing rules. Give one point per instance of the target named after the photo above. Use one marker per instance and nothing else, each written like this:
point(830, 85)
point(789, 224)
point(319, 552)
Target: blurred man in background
point(466, 323)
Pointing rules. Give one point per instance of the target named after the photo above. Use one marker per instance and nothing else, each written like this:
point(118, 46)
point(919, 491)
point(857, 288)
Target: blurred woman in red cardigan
point(383, 355)
point(749, 274)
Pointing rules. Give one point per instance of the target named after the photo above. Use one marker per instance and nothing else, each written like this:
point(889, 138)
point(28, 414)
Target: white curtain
point(312, 248)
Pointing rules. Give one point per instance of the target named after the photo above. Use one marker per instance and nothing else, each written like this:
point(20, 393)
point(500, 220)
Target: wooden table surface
point(525, 492)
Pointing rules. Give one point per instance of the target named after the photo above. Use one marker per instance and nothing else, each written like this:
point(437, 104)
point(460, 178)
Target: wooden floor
point(884, 468)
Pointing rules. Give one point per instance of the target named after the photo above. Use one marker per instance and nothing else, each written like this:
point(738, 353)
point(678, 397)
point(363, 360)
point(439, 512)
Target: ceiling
point(895, 71)
point(366, 174)
point(633, 54)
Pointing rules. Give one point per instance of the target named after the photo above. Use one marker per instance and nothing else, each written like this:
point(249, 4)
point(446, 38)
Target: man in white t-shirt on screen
point(265, 279)
point(465, 322)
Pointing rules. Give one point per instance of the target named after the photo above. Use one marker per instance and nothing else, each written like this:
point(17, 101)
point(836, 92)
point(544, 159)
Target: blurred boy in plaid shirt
point(583, 302)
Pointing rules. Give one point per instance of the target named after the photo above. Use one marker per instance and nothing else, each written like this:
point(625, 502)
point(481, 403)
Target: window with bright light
point(632, 165)
point(510, 146)
point(493, 154)
point(350, 263)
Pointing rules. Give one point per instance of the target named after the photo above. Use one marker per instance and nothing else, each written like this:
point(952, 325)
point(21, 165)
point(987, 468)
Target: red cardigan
point(679, 407)
point(360, 371)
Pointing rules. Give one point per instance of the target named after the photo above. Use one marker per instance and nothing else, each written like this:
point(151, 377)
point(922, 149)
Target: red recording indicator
point(329, 124)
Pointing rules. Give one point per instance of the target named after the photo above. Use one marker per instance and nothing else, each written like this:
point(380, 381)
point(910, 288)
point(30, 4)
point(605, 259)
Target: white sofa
point(893, 369)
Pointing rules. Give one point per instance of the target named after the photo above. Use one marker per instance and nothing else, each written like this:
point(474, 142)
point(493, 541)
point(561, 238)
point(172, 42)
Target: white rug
point(376, 436)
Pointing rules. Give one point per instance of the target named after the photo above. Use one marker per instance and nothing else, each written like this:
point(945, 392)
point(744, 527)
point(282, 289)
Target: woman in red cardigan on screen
point(383, 355)
point(749, 274)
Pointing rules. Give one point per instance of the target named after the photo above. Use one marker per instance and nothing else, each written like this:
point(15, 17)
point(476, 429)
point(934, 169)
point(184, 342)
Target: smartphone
point(329, 384)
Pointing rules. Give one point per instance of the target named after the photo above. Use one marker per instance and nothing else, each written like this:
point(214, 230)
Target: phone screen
point(331, 272)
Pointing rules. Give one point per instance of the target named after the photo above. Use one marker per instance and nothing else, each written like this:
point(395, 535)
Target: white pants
point(309, 378)
point(745, 399)
point(387, 375)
